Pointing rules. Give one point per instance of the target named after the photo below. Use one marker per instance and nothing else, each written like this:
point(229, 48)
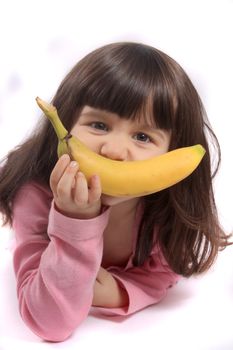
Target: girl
point(77, 248)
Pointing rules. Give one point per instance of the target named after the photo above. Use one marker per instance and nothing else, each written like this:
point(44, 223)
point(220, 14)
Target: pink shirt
point(56, 262)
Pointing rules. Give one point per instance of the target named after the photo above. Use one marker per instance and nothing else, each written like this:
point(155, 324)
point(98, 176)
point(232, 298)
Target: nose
point(114, 149)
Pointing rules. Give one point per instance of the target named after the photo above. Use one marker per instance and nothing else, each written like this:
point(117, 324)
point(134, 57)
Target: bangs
point(134, 83)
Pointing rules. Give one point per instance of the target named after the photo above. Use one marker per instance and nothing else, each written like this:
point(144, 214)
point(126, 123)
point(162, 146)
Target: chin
point(110, 200)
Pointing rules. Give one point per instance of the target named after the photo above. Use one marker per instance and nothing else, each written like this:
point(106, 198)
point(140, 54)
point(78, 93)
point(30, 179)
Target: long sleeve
point(145, 285)
point(56, 262)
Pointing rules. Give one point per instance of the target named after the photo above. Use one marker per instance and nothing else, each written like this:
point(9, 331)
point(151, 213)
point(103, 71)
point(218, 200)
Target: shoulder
point(30, 209)
point(33, 190)
point(32, 199)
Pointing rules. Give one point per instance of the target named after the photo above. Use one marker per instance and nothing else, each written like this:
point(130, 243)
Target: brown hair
point(131, 79)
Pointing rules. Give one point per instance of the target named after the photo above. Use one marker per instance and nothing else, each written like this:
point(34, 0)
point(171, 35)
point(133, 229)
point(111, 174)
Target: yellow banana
point(126, 178)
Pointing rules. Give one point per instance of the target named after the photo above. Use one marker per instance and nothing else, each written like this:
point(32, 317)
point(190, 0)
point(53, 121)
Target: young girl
point(77, 248)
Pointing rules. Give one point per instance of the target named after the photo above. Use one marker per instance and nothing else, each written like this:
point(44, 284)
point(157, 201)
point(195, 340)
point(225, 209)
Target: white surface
point(40, 41)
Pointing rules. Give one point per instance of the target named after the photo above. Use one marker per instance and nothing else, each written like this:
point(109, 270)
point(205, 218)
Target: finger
point(58, 171)
point(64, 186)
point(95, 189)
point(81, 189)
point(102, 276)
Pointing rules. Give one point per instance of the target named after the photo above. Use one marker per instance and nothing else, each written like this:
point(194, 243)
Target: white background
point(39, 42)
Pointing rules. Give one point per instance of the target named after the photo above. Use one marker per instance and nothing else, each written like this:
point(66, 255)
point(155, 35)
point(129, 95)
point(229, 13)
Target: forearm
point(107, 291)
point(55, 291)
point(56, 262)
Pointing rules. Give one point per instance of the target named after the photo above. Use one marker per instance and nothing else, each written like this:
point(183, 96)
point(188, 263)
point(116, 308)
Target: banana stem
point(51, 112)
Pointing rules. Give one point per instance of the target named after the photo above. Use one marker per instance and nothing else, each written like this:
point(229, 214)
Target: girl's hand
point(73, 196)
point(108, 292)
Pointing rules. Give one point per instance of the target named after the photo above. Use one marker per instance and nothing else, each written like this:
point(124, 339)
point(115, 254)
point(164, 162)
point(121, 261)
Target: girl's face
point(119, 139)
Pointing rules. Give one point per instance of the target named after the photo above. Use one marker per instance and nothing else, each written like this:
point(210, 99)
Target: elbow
point(54, 337)
point(54, 326)
point(52, 331)
point(49, 318)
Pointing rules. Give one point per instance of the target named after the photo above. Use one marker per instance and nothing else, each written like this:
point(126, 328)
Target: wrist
point(82, 214)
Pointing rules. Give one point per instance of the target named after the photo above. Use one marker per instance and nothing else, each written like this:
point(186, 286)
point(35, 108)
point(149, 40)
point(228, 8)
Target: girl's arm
point(141, 286)
point(56, 263)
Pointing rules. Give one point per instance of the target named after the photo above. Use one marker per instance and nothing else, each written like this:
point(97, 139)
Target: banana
point(128, 178)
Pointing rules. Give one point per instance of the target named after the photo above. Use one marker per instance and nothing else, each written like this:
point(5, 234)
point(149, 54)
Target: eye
point(142, 137)
point(99, 126)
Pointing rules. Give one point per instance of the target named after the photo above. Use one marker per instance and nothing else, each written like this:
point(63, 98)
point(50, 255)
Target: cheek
point(150, 153)
point(162, 150)
point(85, 137)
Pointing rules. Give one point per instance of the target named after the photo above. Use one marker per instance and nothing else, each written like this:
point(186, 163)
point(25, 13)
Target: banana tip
point(201, 149)
point(46, 107)
point(39, 102)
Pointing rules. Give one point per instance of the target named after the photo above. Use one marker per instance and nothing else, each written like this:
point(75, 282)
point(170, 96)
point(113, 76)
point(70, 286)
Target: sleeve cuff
point(76, 229)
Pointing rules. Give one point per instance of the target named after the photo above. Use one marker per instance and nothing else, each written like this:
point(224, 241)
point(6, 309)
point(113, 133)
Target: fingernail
point(73, 164)
point(65, 156)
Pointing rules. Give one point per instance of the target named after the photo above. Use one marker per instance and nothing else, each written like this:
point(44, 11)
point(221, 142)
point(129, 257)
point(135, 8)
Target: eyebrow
point(95, 113)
